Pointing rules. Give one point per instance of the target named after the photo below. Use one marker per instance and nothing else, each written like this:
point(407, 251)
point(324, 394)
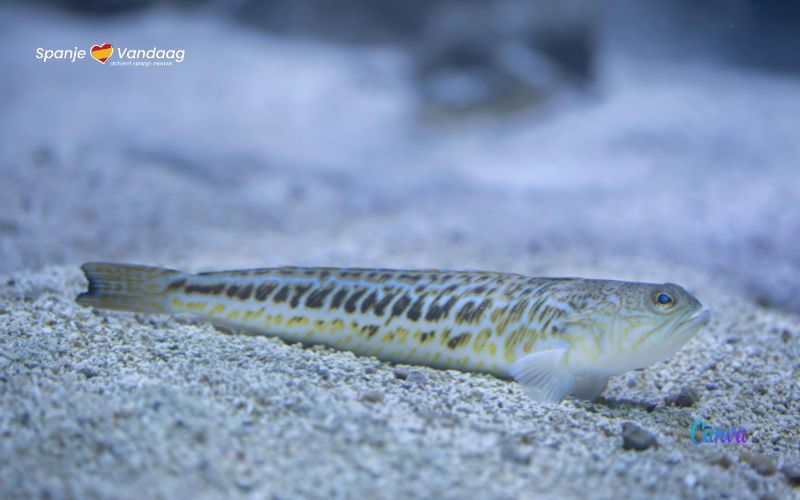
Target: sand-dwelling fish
point(556, 336)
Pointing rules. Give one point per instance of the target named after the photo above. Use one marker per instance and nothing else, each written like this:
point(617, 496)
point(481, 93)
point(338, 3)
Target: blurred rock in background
point(468, 55)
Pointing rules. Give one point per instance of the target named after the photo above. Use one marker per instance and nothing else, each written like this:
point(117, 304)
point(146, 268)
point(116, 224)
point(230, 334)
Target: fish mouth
point(697, 320)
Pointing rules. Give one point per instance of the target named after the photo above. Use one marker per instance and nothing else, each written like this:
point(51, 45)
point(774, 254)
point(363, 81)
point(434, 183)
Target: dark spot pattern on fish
point(205, 289)
point(401, 305)
point(352, 302)
point(299, 291)
point(465, 312)
point(415, 311)
point(438, 311)
point(426, 336)
point(282, 295)
point(458, 340)
point(338, 298)
point(316, 299)
point(369, 301)
point(176, 285)
point(380, 307)
point(472, 313)
point(246, 292)
point(263, 291)
point(370, 330)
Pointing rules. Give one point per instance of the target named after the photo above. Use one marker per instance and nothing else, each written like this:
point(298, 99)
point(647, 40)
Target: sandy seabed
point(310, 155)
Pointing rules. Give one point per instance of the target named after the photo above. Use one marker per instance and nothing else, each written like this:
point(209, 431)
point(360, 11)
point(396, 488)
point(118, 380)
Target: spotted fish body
point(490, 322)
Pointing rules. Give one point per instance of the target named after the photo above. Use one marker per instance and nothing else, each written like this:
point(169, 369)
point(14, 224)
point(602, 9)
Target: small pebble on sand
point(687, 397)
point(636, 438)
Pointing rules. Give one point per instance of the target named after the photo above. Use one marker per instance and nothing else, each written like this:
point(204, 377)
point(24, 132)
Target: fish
point(557, 337)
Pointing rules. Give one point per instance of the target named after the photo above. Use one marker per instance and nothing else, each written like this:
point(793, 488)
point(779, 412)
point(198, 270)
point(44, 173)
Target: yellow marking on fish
point(349, 339)
point(402, 335)
point(177, 303)
point(510, 357)
point(497, 314)
point(297, 321)
point(337, 325)
point(436, 356)
point(321, 326)
point(250, 315)
point(481, 339)
point(501, 328)
point(532, 338)
point(308, 335)
point(217, 309)
point(195, 306)
point(514, 339)
point(492, 349)
point(233, 315)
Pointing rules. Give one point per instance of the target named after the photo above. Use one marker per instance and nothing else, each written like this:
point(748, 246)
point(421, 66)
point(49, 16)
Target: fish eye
point(664, 299)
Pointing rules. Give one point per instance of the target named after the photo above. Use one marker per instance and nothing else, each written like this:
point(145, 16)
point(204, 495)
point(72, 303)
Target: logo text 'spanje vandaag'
point(151, 55)
point(106, 53)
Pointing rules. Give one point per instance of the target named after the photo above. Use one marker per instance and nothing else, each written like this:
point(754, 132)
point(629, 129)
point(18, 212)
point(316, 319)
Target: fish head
point(655, 320)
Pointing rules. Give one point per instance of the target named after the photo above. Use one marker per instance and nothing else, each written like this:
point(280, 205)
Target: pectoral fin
point(544, 375)
point(589, 386)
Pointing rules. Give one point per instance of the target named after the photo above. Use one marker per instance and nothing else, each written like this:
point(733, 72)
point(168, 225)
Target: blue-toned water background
point(664, 132)
point(616, 139)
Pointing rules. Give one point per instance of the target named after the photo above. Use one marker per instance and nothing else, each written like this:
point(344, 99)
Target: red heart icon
point(102, 52)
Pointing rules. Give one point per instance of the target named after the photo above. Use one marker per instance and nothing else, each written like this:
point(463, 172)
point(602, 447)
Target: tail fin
point(127, 287)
